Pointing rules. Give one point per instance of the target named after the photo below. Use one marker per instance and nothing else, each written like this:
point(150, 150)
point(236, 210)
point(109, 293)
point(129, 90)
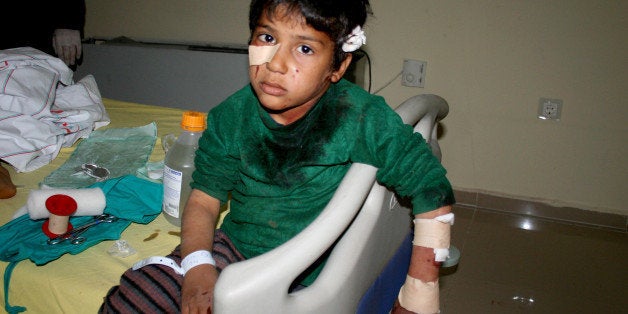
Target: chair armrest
point(260, 284)
point(424, 112)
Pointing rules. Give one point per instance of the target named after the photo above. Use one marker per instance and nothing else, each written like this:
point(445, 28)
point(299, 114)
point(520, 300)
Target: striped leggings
point(156, 288)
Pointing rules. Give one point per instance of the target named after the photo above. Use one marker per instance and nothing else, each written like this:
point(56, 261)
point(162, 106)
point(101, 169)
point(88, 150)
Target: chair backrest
point(363, 222)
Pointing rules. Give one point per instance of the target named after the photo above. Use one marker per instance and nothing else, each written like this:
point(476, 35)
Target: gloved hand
point(67, 45)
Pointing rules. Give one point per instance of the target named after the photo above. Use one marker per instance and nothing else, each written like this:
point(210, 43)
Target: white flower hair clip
point(355, 40)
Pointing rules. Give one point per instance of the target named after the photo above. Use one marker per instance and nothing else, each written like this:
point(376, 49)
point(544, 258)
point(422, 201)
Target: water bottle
point(179, 165)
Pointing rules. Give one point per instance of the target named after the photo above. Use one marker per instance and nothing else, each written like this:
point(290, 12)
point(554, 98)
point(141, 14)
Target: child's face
point(300, 71)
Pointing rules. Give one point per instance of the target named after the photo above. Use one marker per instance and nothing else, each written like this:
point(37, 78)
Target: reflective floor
point(517, 264)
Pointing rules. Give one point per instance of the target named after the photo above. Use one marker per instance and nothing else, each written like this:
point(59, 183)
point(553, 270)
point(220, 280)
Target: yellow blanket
point(77, 283)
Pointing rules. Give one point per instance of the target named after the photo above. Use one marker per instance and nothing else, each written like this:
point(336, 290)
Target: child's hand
point(198, 289)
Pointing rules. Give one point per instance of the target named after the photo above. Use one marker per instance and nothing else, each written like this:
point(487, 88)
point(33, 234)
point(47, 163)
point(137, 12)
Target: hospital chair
point(364, 225)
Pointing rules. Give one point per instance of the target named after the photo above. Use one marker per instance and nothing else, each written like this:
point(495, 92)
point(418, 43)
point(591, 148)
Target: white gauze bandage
point(434, 233)
point(355, 40)
point(89, 201)
point(420, 297)
point(259, 55)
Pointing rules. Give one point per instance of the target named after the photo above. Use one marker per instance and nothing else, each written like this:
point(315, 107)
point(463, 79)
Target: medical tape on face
point(434, 233)
point(419, 297)
point(259, 55)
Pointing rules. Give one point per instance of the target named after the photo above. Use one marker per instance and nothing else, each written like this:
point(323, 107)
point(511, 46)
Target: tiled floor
point(517, 264)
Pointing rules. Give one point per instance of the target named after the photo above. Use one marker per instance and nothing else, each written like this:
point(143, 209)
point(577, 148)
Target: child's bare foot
point(7, 188)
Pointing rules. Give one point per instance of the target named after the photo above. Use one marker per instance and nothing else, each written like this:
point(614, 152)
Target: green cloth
point(129, 198)
point(281, 177)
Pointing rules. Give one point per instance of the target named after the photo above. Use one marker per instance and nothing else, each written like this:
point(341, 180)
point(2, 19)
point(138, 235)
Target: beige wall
point(492, 60)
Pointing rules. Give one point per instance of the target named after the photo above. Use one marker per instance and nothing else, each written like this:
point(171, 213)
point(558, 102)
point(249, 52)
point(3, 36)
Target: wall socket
point(413, 73)
point(550, 109)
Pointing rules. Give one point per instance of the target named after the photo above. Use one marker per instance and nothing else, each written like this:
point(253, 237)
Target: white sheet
point(42, 109)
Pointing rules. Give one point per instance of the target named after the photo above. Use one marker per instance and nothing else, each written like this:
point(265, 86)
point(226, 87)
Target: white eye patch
point(259, 55)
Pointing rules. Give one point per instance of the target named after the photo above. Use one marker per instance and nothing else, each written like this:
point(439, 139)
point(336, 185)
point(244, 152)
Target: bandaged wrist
point(420, 297)
point(434, 233)
point(197, 258)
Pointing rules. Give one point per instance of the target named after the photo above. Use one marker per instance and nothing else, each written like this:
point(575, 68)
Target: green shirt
point(281, 177)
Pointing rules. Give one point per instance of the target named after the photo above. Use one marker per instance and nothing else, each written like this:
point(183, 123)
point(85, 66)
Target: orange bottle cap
point(193, 121)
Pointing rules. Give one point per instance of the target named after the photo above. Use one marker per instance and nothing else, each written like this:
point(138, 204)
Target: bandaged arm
point(420, 292)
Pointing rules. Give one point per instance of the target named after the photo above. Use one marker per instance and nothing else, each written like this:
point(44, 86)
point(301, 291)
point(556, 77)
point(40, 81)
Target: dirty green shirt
point(281, 177)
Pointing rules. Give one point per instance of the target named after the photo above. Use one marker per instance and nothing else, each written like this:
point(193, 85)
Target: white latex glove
point(67, 45)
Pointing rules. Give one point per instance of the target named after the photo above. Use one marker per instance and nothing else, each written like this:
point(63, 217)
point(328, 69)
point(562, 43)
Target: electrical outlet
point(413, 73)
point(550, 109)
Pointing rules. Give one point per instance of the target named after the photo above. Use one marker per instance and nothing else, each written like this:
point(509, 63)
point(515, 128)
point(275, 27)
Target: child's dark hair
point(336, 18)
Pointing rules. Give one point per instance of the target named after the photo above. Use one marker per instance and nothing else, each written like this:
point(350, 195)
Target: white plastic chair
point(363, 220)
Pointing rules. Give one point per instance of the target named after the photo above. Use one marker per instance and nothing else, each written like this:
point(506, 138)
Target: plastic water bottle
point(179, 165)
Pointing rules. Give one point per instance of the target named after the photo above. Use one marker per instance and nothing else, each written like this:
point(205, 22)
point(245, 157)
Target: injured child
point(278, 149)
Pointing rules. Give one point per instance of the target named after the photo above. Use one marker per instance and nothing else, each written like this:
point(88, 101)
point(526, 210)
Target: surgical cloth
point(41, 109)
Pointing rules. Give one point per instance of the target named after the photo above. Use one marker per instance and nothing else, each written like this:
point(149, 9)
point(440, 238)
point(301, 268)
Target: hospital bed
point(364, 235)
